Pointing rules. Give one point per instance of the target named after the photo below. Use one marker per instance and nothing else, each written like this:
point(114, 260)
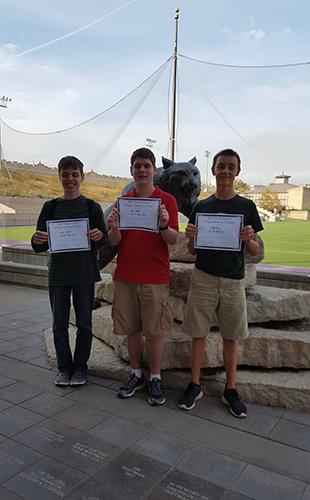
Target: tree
point(269, 200)
point(240, 186)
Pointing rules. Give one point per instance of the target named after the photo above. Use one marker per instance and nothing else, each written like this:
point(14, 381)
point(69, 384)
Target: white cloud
point(252, 34)
point(297, 92)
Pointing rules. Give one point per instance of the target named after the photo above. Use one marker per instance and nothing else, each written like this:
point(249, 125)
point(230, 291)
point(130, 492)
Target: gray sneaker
point(131, 385)
point(78, 377)
point(62, 378)
point(156, 393)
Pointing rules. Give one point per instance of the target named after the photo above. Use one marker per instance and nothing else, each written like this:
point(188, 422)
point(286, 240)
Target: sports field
point(17, 233)
point(286, 242)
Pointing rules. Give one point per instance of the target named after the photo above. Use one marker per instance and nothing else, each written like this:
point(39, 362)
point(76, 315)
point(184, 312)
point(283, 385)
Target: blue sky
point(262, 113)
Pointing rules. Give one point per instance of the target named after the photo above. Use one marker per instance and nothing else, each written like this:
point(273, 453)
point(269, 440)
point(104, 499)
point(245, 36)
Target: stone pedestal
point(265, 347)
point(274, 366)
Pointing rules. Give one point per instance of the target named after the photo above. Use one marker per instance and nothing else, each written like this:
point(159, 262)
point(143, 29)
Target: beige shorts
point(214, 299)
point(139, 307)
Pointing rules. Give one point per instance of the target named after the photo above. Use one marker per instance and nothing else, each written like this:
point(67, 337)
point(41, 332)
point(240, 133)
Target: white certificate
point(218, 231)
point(68, 235)
point(139, 213)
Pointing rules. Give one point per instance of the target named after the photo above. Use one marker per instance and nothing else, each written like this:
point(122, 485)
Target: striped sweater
point(72, 268)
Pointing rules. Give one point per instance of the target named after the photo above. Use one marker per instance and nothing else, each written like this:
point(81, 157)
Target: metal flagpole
point(3, 104)
point(174, 88)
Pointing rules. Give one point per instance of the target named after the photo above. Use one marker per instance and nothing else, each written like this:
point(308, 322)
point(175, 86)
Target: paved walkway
point(85, 443)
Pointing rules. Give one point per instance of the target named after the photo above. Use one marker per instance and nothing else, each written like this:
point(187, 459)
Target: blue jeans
point(83, 299)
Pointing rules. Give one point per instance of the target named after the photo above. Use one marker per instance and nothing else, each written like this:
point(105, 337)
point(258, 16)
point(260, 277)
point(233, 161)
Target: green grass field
point(286, 242)
point(17, 233)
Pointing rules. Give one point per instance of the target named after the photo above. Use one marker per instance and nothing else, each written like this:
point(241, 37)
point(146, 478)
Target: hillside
point(102, 188)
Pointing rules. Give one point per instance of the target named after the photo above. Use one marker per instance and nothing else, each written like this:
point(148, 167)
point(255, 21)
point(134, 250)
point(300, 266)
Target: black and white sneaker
point(236, 407)
point(156, 393)
point(62, 378)
point(192, 394)
point(78, 377)
point(131, 385)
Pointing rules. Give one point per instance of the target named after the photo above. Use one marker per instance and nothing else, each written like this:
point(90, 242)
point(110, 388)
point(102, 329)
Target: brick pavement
point(85, 443)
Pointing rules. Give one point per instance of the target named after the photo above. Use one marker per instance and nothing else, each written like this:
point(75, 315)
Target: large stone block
point(179, 252)
point(285, 389)
point(103, 361)
point(180, 282)
point(181, 275)
point(180, 279)
point(178, 309)
point(250, 275)
point(268, 348)
point(104, 288)
point(266, 303)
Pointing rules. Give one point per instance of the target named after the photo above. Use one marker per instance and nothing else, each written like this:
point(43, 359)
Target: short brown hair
point(70, 162)
point(143, 153)
point(226, 152)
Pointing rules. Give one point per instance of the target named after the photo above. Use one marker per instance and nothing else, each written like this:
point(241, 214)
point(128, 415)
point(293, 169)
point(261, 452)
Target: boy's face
point(71, 180)
point(143, 172)
point(225, 170)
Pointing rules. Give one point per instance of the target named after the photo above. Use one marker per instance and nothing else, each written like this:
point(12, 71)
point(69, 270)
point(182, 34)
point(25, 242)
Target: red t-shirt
point(143, 256)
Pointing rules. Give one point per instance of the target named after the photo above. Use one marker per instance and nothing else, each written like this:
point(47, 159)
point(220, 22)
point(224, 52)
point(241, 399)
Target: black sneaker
point(192, 394)
point(62, 378)
point(156, 393)
point(236, 407)
point(131, 385)
point(78, 377)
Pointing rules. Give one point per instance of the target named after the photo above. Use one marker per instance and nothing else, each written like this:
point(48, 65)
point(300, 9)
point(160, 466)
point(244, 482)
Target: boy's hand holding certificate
point(68, 235)
point(139, 213)
point(218, 231)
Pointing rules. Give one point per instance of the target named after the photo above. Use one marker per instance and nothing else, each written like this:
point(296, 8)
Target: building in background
point(282, 187)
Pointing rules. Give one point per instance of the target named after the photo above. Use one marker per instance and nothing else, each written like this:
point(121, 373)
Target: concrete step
point(23, 274)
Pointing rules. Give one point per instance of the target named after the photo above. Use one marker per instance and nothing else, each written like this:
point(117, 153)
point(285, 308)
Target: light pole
point(3, 104)
point(207, 156)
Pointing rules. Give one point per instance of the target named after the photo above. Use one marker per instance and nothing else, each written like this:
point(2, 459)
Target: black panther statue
point(182, 180)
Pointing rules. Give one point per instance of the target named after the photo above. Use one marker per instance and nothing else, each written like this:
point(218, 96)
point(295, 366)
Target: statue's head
point(182, 180)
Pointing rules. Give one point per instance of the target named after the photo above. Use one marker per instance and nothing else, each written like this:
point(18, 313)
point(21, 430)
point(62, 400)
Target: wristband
point(164, 228)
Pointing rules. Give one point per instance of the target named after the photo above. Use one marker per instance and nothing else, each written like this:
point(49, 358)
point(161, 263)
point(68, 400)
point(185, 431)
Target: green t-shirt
point(72, 268)
point(225, 263)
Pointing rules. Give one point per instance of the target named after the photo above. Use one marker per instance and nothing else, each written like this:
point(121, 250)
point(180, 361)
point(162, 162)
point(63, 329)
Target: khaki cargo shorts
point(139, 307)
point(212, 298)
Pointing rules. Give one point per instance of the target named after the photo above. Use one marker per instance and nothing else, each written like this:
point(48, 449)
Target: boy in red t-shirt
point(141, 305)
